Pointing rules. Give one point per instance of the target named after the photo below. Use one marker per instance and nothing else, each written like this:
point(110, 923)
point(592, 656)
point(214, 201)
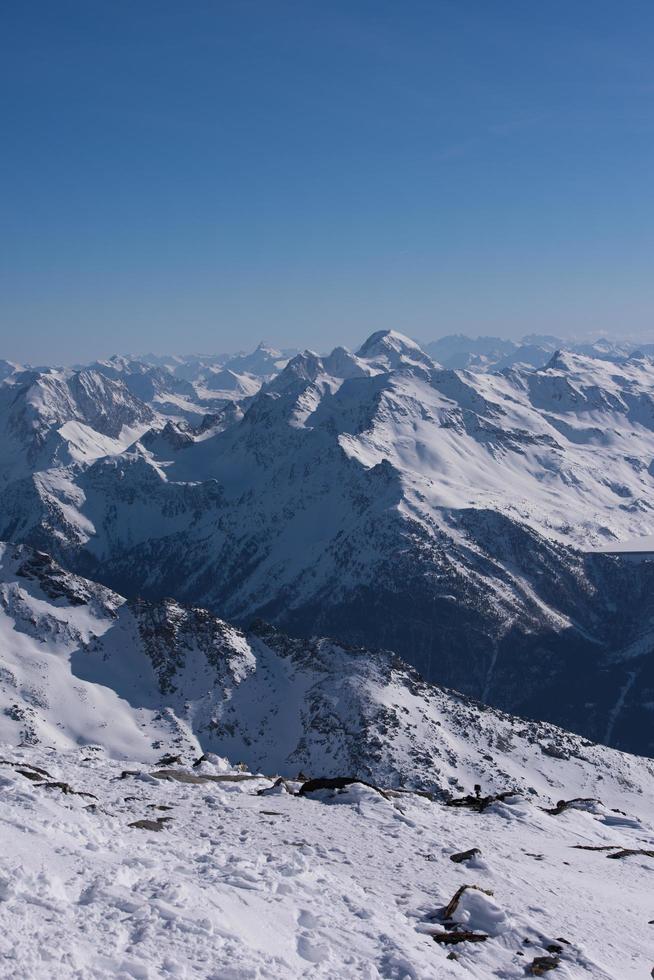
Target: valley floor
point(238, 886)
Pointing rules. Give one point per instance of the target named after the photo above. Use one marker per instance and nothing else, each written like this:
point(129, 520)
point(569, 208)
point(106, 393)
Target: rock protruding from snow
point(181, 878)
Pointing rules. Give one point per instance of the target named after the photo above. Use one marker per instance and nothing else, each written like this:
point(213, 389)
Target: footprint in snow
point(311, 949)
point(309, 946)
point(307, 920)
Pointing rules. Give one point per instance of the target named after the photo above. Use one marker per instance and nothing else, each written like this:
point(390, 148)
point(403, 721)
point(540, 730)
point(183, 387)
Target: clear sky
point(199, 174)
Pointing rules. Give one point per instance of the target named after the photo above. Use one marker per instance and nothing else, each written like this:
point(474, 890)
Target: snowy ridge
point(495, 353)
point(61, 417)
point(390, 502)
point(82, 665)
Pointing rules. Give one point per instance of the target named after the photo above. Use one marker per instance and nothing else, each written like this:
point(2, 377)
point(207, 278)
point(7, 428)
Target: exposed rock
point(462, 856)
point(155, 825)
point(464, 936)
point(67, 789)
point(628, 851)
point(453, 903)
point(555, 751)
point(41, 772)
point(480, 803)
point(336, 782)
point(577, 803)
point(542, 964)
point(34, 776)
point(180, 776)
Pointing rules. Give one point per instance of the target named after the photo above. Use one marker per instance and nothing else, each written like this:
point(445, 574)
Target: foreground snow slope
point(238, 886)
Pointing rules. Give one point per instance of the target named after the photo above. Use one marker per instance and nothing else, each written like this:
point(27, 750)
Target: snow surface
point(238, 886)
point(644, 545)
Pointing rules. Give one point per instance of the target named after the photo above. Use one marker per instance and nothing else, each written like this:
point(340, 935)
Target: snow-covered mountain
point(264, 362)
point(456, 351)
point(55, 418)
point(389, 502)
point(122, 818)
point(188, 387)
point(181, 392)
point(534, 350)
point(81, 665)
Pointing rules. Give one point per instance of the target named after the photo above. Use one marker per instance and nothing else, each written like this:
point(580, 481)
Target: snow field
point(239, 885)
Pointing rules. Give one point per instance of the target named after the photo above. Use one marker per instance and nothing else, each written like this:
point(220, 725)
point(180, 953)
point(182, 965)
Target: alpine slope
point(179, 798)
point(472, 519)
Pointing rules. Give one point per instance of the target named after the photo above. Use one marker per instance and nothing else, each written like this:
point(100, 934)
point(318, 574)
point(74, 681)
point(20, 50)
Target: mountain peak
point(386, 340)
point(559, 361)
point(392, 351)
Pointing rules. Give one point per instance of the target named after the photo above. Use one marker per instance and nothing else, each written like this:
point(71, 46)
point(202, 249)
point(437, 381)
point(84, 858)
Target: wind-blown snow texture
point(226, 884)
point(457, 517)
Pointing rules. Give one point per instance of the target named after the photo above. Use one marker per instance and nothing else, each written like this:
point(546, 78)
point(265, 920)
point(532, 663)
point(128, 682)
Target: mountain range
point(459, 516)
point(306, 663)
point(81, 665)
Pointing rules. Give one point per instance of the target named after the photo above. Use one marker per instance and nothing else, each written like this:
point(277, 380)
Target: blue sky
point(199, 175)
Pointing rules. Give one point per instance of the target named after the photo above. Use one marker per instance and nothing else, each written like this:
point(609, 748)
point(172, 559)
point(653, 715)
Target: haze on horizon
point(199, 176)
